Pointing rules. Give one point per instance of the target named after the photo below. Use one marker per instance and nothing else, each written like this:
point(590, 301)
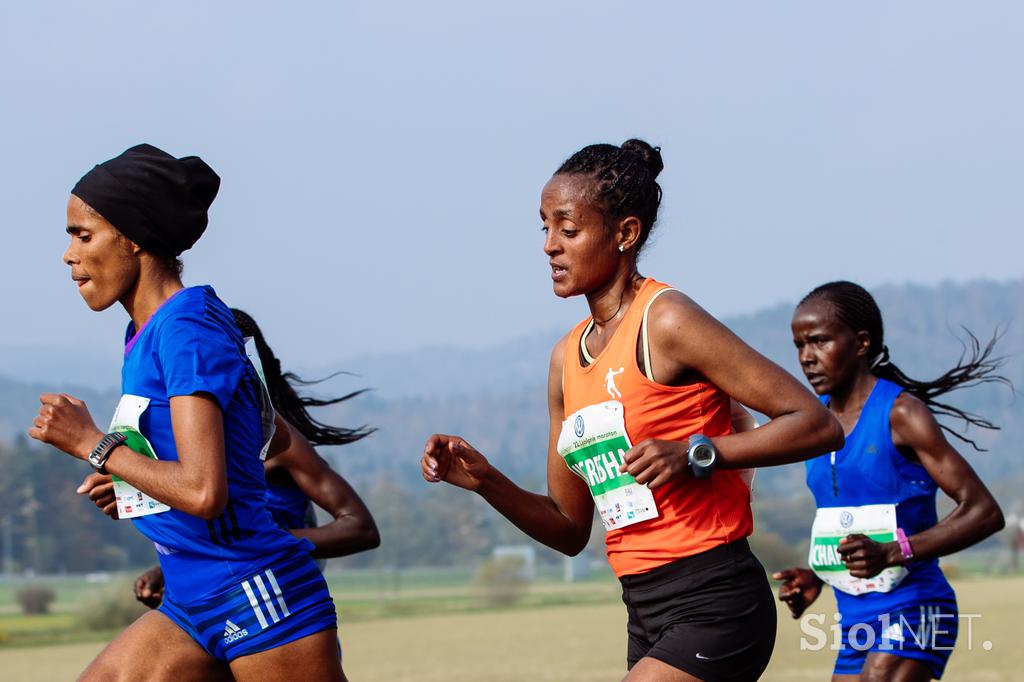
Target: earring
point(621, 248)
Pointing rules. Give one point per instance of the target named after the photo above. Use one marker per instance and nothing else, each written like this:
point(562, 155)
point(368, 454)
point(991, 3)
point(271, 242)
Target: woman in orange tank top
point(639, 402)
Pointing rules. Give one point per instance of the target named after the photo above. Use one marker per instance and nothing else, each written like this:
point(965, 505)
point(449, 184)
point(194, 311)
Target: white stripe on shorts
point(266, 598)
point(255, 604)
point(277, 591)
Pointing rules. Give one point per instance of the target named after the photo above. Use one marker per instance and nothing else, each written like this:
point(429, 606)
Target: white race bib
point(832, 524)
point(132, 502)
point(593, 443)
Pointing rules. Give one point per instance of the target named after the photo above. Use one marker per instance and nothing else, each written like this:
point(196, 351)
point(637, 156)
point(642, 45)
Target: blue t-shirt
point(191, 345)
point(870, 470)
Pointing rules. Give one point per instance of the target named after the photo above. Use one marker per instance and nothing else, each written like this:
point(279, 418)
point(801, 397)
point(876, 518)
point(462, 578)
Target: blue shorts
point(282, 603)
point(926, 632)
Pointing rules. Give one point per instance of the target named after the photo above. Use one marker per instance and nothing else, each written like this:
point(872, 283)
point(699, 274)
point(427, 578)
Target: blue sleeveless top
point(870, 470)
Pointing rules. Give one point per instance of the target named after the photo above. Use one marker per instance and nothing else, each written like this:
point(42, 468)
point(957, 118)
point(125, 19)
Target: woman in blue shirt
point(297, 477)
point(239, 590)
point(877, 537)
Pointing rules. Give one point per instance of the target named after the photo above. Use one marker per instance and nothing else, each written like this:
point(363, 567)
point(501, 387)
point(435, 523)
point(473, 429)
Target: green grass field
point(438, 630)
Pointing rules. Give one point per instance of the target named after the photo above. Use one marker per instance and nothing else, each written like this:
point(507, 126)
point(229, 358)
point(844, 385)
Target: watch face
point(703, 455)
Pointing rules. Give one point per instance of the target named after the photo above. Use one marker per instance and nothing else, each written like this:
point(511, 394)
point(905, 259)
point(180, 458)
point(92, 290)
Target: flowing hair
point(291, 405)
point(856, 308)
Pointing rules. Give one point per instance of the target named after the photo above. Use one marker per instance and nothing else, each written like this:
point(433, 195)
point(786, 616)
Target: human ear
point(863, 344)
point(627, 233)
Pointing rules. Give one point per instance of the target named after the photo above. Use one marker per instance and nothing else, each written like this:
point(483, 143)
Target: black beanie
point(154, 199)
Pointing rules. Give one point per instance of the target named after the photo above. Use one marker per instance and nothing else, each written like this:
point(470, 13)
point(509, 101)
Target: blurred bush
point(502, 581)
point(36, 599)
point(110, 609)
point(775, 553)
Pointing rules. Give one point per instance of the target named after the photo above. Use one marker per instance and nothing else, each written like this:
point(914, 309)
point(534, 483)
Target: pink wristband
point(905, 549)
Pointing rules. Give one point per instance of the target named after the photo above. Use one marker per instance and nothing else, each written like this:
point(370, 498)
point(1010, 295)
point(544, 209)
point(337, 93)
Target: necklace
point(632, 280)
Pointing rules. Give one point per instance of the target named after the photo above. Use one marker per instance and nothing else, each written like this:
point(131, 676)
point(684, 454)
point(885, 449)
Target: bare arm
point(353, 528)
point(282, 438)
point(561, 519)
point(196, 483)
point(685, 338)
point(975, 517)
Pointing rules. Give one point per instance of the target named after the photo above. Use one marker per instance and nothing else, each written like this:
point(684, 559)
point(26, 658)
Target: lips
point(558, 272)
point(79, 280)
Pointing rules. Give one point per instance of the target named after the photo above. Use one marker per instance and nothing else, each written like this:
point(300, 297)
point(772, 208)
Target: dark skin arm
point(100, 488)
point(561, 519)
point(688, 342)
point(975, 517)
point(282, 438)
point(196, 483)
point(353, 528)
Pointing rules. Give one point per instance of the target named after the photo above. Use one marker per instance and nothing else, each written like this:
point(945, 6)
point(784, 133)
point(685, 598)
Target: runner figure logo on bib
point(832, 524)
point(593, 443)
point(132, 502)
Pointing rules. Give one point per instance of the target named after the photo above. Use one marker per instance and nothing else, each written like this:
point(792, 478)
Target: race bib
point(132, 502)
point(266, 407)
point(832, 524)
point(593, 443)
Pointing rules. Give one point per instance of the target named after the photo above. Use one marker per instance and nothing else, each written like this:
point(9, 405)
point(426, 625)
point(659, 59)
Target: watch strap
point(101, 453)
point(905, 549)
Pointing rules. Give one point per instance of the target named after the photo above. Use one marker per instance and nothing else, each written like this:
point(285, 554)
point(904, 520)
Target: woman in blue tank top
point(876, 536)
point(243, 597)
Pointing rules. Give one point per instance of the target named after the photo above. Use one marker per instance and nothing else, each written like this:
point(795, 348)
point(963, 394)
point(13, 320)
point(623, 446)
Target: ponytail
point(288, 403)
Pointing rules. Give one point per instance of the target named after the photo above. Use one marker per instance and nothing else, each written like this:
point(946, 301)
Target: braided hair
point(288, 402)
point(624, 180)
point(856, 308)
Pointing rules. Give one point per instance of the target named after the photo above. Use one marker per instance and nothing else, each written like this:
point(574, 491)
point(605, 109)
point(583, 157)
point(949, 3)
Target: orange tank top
point(693, 515)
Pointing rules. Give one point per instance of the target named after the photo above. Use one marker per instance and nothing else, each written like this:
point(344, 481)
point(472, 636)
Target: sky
point(382, 162)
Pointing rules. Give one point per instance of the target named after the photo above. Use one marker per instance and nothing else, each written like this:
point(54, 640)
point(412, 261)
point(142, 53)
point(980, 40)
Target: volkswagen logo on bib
point(577, 425)
point(846, 519)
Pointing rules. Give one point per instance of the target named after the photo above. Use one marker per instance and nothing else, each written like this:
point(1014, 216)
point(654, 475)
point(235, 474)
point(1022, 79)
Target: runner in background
point(640, 412)
point(876, 537)
point(186, 442)
point(297, 477)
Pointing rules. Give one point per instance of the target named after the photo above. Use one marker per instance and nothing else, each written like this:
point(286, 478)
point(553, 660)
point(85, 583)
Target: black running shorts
point(711, 615)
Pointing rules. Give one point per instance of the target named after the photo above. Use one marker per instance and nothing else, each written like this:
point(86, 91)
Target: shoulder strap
point(644, 340)
point(583, 342)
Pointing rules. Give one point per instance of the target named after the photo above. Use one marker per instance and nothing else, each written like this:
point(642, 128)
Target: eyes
point(816, 341)
point(568, 232)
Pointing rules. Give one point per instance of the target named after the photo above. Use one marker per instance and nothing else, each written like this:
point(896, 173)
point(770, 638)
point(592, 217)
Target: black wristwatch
point(101, 453)
point(701, 455)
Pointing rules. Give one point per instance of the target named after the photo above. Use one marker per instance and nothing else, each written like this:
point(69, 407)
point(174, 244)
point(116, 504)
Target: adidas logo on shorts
point(233, 633)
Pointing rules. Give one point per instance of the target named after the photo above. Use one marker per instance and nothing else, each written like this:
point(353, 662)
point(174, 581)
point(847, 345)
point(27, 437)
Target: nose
point(805, 355)
point(69, 256)
point(551, 246)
